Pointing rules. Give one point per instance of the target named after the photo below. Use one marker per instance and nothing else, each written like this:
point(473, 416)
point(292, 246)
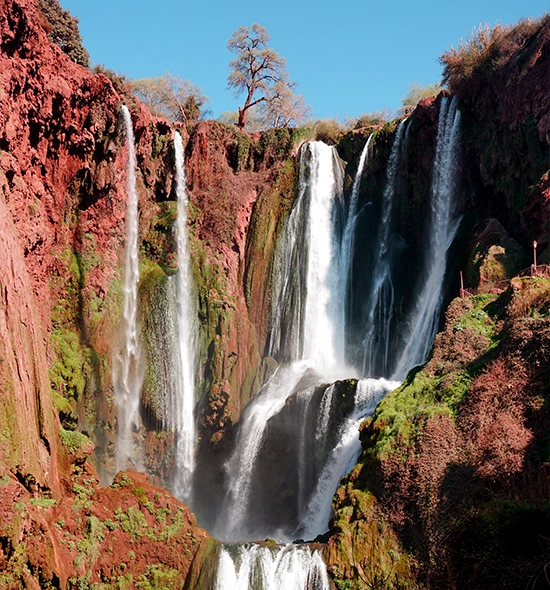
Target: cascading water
point(280, 568)
point(380, 302)
point(342, 457)
point(309, 314)
point(308, 336)
point(350, 228)
point(269, 401)
point(181, 405)
point(443, 226)
point(127, 365)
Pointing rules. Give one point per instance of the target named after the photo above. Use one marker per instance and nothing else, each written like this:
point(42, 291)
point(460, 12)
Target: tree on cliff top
point(170, 97)
point(63, 30)
point(260, 72)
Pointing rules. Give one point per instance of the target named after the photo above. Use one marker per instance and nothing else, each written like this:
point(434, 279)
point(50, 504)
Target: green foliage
point(328, 130)
point(63, 31)
point(158, 577)
point(110, 524)
point(68, 374)
point(123, 481)
point(373, 119)
point(73, 440)
point(132, 521)
point(43, 502)
point(401, 415)
point(417, 92)
point(531, 298)
point(365, 553)
point(477, 319)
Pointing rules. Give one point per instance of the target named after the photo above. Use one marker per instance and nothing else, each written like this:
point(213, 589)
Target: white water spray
point(127, 364)
point(288, 567)
point(240, 468)
point(443, 226)
point(180, 410)
point(309, 316)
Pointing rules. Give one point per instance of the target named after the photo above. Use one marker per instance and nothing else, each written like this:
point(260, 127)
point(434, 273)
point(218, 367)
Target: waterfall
point(180, 410)
point(309, 315)
point(342, 457)
point(443, 226)
point(376, 343)
point(271, 568)
point(308, 321)
point(240, 468)
point(350, 228)
point(127, 364)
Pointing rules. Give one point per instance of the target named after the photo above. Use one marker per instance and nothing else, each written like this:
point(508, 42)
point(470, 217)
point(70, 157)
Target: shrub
point(417, 92)
point(64, 31)
point(328, 130)
point(371, 119)
point(488, 48)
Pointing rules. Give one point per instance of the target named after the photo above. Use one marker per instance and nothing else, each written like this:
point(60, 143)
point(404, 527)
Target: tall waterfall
point(127, 365)
point(309, 314)
point(422, 326)
point(308, 322)
point(280, 568)
point(380, 301)
point(181, 406)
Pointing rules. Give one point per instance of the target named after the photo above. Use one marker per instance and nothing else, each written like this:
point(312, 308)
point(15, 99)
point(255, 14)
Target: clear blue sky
point(348, 58)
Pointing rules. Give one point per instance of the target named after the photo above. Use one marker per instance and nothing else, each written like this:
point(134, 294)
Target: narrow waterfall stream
point(348, 236)
point(422, 326)
point(181, 406)
point(127, 365)
point(380, 300)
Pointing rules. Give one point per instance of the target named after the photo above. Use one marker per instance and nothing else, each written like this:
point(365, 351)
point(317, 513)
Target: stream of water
point(127, 364)
point(182, 405)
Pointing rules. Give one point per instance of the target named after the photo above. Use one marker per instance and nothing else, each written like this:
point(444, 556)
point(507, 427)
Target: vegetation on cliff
point(63, 31)
point(455, 456)
point(452, 479)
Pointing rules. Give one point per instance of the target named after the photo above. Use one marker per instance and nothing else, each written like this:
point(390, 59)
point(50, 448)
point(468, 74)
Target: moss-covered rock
point(495, 258)
point(363, 552)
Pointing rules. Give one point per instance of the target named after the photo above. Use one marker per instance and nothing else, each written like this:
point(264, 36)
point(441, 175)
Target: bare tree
point(260, 72)
point(170, 97)
point(285, 109)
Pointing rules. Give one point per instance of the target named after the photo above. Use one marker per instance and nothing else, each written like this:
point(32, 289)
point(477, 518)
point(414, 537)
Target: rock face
point(62, 208)
point(62, 204)
point(472, 420)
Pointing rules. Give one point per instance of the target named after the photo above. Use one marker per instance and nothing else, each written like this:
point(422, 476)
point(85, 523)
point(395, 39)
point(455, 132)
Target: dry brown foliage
point(487, 47)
